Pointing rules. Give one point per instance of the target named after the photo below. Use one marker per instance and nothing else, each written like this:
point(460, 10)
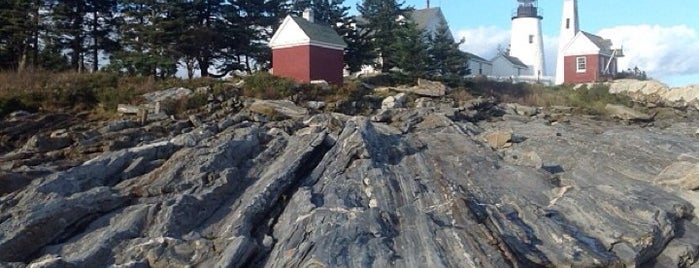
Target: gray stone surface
point(418, 188)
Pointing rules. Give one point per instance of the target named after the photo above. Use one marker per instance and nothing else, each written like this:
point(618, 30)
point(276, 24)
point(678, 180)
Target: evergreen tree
point(446, 59)
point(410, 50)
point(146, 39)
point(20, 26)
point(360, 49)
point(383, 20)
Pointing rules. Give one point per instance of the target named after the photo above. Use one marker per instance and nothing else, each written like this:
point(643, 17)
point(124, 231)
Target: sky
point(659, 37)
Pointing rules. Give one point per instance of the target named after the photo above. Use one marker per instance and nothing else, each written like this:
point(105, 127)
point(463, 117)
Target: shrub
point(263, 85)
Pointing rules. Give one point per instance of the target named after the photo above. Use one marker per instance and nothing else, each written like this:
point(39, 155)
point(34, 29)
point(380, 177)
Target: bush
point(263, 85)
point(11, 104)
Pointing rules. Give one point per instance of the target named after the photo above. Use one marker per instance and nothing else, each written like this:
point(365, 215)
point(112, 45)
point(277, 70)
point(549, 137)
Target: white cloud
point(662, 51)
point(484, 41)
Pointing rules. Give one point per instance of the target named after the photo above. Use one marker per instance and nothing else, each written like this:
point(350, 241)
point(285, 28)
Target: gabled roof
point(513, 60)
point(299, 31)
point(600, 42)
point(475, 57)
point(422, 17)
point(319, 32)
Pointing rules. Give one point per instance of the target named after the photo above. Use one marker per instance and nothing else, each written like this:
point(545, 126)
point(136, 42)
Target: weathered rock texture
point(421, 189)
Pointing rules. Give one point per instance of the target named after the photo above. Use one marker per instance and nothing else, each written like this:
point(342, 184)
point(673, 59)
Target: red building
point(589, 58)
point(306, 51)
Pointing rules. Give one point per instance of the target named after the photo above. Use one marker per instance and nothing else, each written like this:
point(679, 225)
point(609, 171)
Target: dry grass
point(48, 91)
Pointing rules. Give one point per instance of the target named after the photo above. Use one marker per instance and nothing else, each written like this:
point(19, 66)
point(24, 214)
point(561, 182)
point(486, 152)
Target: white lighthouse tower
point(526, 41)
point(569, 28)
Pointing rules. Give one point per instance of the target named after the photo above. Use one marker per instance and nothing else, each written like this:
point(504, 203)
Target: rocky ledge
point(479, 185)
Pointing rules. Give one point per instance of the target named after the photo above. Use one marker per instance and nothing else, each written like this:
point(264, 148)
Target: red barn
point(305, 51)
point(589, 58)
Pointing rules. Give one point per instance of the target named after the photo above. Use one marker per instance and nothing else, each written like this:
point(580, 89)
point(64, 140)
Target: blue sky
point(661, 37)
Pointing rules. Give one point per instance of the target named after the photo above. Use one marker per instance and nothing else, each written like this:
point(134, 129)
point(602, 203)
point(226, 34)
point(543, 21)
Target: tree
point(445, 57)
point(146, 39)
point(20, 26)
point(383, 20)
point(410, 50)
point(360, 49)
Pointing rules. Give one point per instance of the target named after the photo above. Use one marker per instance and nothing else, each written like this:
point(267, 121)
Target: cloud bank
point(662, 51)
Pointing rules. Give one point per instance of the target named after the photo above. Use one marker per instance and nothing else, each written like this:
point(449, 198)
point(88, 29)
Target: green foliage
point(383, 21)
point(447, 61)
point(263, 85)
point(410, 51)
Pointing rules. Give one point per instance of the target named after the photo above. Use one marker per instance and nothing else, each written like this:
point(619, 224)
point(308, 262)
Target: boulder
point(424, 88)
point(46, 143)
point(498, 139)
point(282, 108)
point(522, 110)
point(392, 102)
point(166, 95)
point(626, 113)
point(128, 109)
point(315, 105)
point(424, 102)
point(682, 174)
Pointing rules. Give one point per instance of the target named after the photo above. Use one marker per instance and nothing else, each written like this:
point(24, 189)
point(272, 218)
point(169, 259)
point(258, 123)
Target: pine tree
point(383, 20)
point(410, 50)
point(446, 59)
point(146, 39)
point(20, 27)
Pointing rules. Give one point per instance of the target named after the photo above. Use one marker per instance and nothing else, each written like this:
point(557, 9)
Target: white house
point(478, 65)
point(506, 66)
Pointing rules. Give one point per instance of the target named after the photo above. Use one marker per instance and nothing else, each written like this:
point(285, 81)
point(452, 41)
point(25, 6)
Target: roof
point(475, 57)
point(514, 60)
point(319, 32)
point(600, 42)
point(422, 17)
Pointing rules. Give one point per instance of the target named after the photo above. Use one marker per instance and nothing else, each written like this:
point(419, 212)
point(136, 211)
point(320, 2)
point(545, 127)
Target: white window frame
point(581, 62)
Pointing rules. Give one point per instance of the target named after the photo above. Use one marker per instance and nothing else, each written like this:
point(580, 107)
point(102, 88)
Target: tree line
point(211, 37)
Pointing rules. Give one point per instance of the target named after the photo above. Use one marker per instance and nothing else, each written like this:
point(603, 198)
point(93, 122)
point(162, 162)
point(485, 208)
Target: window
point(567, 23)
point(531, 39)
point(581, 64)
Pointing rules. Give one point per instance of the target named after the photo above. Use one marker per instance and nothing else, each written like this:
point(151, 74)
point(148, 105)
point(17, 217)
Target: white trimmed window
point(581, 64)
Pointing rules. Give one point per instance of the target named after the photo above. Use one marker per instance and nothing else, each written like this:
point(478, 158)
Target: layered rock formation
point(421, 187)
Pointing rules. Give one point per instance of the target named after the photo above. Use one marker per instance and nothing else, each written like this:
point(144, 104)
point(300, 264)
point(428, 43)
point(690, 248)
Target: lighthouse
point(569, 28)
point(526, 40)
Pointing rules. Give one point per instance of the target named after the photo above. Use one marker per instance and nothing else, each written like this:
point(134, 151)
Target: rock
point(119, 126)
point(424, 88)
point(424, 102)
point(128, 109)
point(498, 139)
point(316, 105)
point(283, 108)
point(18, 115)
point(166, 95)
point(522, 110)
point(652, 91)
point(203, 90)
point(683, 174)
point(332, 190)
point(392, 102)
point(45, 143)
point(523, 158)
point(626, 113)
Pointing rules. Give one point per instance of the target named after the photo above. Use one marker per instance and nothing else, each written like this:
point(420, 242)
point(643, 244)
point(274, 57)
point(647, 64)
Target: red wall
point(592, 73)
point(292, 62)
point(327, 64)
point(306, 63)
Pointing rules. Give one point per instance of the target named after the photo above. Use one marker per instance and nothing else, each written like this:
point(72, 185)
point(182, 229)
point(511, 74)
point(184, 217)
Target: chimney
point(428, 4)
point(308, 15)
